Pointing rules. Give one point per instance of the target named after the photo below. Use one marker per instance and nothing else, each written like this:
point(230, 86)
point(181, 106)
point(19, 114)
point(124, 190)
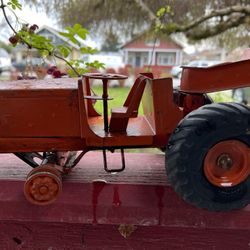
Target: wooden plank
point(94, 206)
point(52, 83)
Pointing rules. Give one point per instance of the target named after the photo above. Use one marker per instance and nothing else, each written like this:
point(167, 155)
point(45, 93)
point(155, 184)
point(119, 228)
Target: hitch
point(116, 169)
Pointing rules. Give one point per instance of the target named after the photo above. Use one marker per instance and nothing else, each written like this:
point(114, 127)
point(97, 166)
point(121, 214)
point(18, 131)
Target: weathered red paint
point(160, 219)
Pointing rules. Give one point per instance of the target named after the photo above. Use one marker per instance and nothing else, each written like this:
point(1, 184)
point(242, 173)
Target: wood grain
point(95, 204)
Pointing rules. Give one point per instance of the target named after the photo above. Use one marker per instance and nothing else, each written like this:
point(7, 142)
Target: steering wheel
point(104, 76)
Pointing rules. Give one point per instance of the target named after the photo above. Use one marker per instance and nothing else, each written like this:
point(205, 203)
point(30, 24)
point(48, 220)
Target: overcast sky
point(31, 16)
point(26, 15)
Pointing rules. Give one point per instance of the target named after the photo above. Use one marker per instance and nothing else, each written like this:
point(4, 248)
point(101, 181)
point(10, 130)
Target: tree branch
point(236, 15)
point(217, 29)
point(5, 16)
point(152, 16)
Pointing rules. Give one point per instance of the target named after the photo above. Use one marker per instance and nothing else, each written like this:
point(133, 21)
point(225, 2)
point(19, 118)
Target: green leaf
point(65, 34)
point(160, 12)
point(71, 37)
point(95, 64)
point(164, 10)
point(14, 4)
point(76, 30)
point(44, 53)
point(40, 42)
point(79, 70)
point(88, 50)
point(77, 26)
point(75, 41)
point(64, 50)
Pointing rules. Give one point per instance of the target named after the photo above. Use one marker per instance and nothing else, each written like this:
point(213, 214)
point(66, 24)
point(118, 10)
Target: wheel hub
point(43, 185)
point(224, 161)
point(227, 163)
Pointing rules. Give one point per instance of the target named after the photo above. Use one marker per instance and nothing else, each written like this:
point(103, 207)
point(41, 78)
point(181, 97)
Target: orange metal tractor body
point(57, 117)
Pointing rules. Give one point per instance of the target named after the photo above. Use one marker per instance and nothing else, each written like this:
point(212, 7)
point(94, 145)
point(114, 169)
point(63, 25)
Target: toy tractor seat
point(120, 115)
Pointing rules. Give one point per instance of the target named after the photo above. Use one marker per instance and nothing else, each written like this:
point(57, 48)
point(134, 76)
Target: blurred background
point(195, 33)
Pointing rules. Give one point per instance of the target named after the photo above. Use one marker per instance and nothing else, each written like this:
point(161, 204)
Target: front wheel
point(207, 158)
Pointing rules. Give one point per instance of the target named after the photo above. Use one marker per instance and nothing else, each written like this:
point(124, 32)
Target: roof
point(56, 33)
point(139, 42)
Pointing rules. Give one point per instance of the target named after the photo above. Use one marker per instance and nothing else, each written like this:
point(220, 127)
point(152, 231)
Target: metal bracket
point(106, 165)
point(29, 158)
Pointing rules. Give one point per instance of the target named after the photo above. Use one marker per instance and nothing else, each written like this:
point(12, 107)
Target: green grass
point(118, 94)
point(222, 96)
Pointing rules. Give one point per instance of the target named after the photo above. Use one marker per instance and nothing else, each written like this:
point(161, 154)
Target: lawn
point(118, 94)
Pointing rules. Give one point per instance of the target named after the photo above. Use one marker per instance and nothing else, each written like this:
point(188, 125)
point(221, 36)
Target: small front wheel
point(43, 185)
point(208, 157)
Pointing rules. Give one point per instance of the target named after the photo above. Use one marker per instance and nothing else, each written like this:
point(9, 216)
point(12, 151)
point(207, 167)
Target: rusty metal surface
point(104, 76)
point(43, 185)
point(216, 78)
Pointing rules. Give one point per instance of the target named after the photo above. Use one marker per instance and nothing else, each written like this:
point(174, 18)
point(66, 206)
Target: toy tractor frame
point(44, 123)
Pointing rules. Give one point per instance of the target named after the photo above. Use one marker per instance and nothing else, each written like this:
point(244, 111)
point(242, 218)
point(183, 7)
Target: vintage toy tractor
point(45, 122)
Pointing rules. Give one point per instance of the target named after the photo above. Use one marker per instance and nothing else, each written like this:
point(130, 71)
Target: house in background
point(20, 51)
point(159, 54)
point(5, 61)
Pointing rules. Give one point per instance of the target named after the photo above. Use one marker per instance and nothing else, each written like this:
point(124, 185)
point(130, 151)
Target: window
point(166, 58)
point(137, 59)
point(145, 58)
point(130, 58)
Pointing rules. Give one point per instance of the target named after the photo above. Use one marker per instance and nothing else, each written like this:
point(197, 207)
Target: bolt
point(43, 190)
point(224, 161)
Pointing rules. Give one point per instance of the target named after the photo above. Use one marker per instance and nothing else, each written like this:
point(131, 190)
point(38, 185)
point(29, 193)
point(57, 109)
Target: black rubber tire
point(188, 146)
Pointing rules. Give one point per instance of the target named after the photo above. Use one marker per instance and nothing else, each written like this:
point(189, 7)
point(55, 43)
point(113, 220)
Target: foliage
point(222, 96)
point(14, 4)
point(111, 42)
point(26, 35)
point(196, 19)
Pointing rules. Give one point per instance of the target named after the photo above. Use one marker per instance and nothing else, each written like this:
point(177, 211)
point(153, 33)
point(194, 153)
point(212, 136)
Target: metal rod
point(105, 104)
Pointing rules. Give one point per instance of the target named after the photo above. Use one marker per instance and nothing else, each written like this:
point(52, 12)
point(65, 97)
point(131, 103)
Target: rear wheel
point(207, 159)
